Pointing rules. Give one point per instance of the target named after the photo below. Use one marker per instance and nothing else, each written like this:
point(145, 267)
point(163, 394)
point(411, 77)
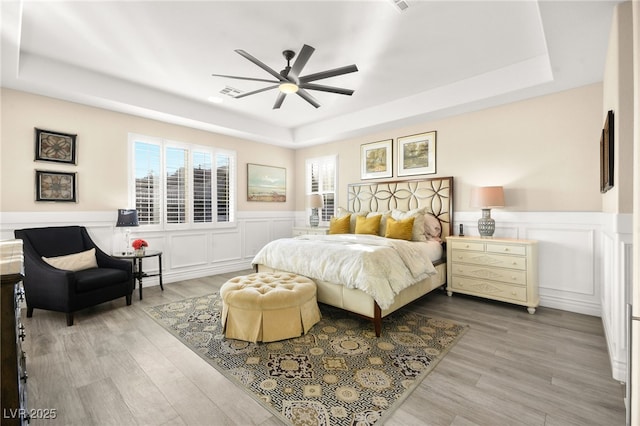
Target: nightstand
point(310, 230)
point(495, 268)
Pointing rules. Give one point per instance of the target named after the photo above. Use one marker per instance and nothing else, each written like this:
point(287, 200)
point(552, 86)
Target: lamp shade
point(127, 217)
point(487, 197)
point(315, 201)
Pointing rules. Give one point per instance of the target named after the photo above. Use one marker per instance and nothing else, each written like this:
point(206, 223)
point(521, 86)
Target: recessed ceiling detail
point(438, 58)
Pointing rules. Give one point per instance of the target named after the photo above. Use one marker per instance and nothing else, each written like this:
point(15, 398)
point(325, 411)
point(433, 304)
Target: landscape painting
point(266, 183)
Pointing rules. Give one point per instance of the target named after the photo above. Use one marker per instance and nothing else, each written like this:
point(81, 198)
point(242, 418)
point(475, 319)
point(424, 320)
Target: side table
point(138, 273)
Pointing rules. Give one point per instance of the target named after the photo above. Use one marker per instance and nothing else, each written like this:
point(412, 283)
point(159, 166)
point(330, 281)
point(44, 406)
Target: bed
point(433, 196)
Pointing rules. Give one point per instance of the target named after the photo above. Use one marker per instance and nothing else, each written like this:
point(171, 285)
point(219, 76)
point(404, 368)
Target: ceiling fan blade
point(307, 97)
point(330, 89)
point(264, 89)
point(330, 73)
point(301, 61)
point(279, 100)
point(261, 65)
point(245, 78)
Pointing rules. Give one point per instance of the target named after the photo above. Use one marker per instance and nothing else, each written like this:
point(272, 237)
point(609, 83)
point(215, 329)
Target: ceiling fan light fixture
point(288, 88)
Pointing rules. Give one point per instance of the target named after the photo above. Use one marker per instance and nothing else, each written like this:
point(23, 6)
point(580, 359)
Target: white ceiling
point(437, 58)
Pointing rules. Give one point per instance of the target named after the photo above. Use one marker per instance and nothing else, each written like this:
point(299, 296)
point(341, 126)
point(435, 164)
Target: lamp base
point(314, 219)
point(486, 225)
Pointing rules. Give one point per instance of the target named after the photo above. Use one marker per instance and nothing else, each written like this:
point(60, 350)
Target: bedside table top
point(490, 239)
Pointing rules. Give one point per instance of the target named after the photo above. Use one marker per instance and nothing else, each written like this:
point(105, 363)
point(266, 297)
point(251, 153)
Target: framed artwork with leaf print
point(56, 186)
point(55, 146)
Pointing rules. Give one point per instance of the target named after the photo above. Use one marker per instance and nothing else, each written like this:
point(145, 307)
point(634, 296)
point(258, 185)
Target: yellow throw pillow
point(74, 262)
point(400, 229)
point(339, 225)
point(368, 225)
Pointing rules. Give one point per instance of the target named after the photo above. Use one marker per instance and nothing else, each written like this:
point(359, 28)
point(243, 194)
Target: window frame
point(189, 223)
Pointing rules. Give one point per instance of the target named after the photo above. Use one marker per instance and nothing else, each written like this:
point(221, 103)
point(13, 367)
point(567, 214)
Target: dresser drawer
point(497, 260)
point(466, 245)
point(511, 276)
point(506, 249)
point(489, 289)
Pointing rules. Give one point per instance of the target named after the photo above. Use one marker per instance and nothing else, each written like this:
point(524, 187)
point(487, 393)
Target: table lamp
point(315, 202)
point(126, 219)
point(487, 197)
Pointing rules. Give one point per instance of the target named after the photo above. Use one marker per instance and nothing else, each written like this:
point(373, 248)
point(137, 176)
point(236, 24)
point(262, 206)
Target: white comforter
point(381, 267)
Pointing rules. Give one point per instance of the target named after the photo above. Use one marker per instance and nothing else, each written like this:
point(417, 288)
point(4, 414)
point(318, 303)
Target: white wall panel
point(569, 256)
point(226, 245)
point(188, 250)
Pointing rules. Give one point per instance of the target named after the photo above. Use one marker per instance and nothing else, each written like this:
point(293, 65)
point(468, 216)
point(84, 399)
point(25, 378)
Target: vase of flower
point(139, 246)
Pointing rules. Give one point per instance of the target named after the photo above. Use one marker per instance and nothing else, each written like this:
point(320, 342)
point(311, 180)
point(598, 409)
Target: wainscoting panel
point(257, 235)
point(584, 261)
point(573, 252)
point(188, 250)
point(226, 245)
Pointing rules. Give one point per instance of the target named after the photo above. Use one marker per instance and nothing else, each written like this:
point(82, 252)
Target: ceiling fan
point(290, 81)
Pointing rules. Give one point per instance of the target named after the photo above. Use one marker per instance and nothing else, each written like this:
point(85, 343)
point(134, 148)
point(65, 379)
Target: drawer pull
point(506, 249)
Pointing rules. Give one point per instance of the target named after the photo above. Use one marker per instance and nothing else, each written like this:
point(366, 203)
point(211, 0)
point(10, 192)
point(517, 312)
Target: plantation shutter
point(225, 190)
point(202, 187)
point(148, 197)
point(176, 162)
point(321, 178)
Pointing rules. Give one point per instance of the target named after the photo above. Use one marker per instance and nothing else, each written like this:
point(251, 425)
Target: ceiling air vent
point(230, 91)
point(400, 5)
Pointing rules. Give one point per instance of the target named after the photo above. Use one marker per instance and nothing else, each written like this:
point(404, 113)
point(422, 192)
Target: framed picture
point(55, 146)
point(607, 154)
point(376, 160)
point(266, 183)
point(56, 186)
point(417, 154)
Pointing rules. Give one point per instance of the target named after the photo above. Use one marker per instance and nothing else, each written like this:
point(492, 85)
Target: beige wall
point(102, 153)
point(544, 151)
point(618, 96)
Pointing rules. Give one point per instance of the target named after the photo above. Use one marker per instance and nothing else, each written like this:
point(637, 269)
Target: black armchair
point(47, 287)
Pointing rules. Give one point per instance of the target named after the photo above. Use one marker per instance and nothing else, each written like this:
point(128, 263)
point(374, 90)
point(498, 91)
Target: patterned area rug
point(337, 374)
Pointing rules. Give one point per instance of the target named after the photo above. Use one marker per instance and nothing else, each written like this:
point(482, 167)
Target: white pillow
point(418, 222)
point(74, 262)
point(432, 228)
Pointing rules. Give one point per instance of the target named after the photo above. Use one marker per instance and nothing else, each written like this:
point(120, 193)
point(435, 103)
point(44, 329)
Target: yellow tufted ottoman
point(267, 307)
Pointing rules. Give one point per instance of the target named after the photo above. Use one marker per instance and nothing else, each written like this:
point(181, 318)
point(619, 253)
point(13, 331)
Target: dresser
point(13, 375)
point(494, 268)
point(310, 230)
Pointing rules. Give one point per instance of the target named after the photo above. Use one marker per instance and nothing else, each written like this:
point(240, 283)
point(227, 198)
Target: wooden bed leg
point(377, 319)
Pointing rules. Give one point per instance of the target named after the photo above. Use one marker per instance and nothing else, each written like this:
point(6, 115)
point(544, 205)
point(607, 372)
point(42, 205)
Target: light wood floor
point(117, 366)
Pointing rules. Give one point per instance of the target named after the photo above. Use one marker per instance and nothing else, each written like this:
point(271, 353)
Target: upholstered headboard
point(436, 194)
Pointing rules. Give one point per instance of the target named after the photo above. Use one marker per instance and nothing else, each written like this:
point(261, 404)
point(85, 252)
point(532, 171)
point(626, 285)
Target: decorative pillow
point(74, 262)
point(432, 228)
point(400, 229)
point(340, 225)
point(343, 212)
point(369, 225)
point(418, 223)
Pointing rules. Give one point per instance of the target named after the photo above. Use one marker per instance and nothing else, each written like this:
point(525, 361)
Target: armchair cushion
point(74, 262)
point(93, 279)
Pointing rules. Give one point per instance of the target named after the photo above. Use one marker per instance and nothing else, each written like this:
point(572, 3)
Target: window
point(321, 177)
point(174, 182)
